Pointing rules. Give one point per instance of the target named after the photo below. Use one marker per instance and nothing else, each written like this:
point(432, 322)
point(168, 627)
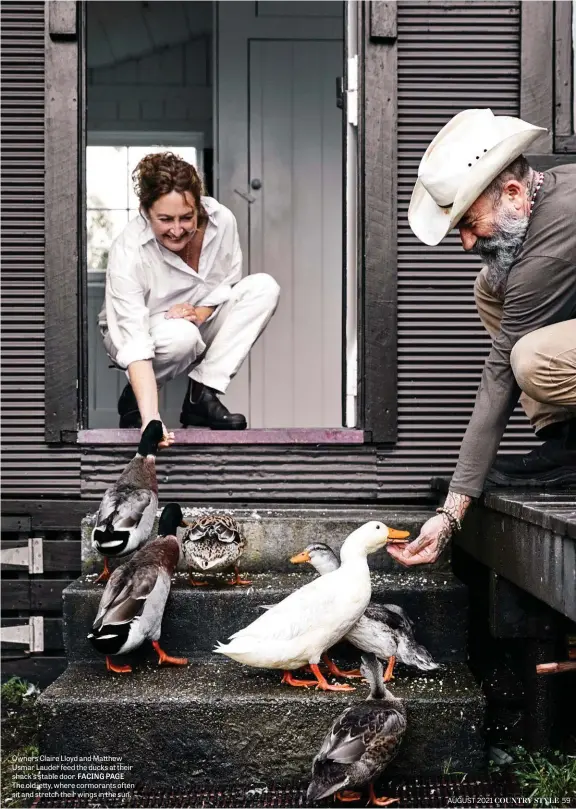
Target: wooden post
point(62, 219)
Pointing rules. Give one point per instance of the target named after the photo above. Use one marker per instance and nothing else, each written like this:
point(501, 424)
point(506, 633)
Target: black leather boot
point(128, 409)
point(551, 464)
point(202, 408)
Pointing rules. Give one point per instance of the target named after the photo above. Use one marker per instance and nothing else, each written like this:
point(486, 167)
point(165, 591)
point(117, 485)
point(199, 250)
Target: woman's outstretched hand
point(427, 547)
point(168, 438)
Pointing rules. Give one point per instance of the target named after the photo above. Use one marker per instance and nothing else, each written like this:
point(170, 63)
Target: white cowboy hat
point(460, 163)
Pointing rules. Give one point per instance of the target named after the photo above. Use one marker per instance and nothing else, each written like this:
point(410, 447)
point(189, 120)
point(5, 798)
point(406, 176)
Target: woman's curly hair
point(162, 172)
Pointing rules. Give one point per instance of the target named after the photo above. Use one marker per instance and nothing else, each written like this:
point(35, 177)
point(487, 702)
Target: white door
point(279, 164)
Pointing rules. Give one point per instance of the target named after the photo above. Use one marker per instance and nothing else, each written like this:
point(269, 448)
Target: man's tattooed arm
point(456, 505)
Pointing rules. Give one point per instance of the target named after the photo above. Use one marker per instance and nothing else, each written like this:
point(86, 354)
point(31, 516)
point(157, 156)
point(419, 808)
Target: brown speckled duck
point(132, 605)
point(361, 743)
point(212, 543)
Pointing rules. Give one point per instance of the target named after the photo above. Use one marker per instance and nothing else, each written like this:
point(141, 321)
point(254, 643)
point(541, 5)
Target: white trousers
point(214, 352)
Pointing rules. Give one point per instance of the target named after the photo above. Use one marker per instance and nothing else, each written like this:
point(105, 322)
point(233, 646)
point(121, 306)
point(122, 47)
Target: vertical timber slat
point(564, 123)
point(62, 184)
point(62, 19)
point(383, 20)
point(536, 70)
point(379, 177)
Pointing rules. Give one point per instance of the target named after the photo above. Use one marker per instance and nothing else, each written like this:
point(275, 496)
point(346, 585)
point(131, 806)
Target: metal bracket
point(31, 633)
point(30, 556)
point(352, 91)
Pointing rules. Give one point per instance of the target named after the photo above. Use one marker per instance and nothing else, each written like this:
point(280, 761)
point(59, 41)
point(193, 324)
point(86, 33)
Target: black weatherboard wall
point(450, 56)
point(29, 466)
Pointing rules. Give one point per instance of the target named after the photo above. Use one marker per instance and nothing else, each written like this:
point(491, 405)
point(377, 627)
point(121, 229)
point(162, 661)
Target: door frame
point(65, 273)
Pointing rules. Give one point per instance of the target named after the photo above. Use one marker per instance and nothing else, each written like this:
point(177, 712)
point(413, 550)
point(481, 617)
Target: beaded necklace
point(539, 181)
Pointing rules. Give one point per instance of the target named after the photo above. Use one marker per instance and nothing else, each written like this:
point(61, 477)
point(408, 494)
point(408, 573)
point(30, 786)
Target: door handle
point(245, 195)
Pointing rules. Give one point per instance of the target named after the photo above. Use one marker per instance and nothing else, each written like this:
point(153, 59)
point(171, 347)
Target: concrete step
point(197, 617)
point(275, 534)
point(225, 723)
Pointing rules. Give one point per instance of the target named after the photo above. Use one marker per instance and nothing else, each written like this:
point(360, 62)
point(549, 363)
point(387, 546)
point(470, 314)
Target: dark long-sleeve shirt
point(541, 290)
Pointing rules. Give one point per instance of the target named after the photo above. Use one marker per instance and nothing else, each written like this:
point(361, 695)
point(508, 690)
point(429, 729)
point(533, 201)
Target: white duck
point(384, 630)
point(295, 632)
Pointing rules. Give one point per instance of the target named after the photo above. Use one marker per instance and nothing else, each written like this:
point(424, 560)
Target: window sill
point(292, 435)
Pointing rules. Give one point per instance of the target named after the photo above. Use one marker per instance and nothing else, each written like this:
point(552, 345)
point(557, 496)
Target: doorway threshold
point(289, 435)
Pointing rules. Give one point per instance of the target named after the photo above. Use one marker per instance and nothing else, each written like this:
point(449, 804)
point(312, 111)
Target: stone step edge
point(87, 683)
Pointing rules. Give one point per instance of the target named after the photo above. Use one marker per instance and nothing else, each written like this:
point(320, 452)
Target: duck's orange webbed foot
point(383, 801)
point(289, 679)
point(333, 669)
point(106, 573)
point(164, 658)
point(324, 685)
point(237, 579)
point(347, 796)
point(196, 582)
point(118, 669)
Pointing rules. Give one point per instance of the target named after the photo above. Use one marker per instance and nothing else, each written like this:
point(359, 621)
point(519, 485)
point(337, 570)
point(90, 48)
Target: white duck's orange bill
point(300, 557)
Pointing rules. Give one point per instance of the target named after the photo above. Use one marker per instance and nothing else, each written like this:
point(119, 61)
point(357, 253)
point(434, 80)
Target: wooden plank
point(16, 523)
point(545, 162)
point(294, 435)
point(58, 556)
point(62, 19)
point(566, 145)
point(33, 595)
point(536, 69)
point(48, 515)
point(40, 669)
point(61, 256)
point(378, 296)
point(383, 20)
point(53, 640)
point(563, 73)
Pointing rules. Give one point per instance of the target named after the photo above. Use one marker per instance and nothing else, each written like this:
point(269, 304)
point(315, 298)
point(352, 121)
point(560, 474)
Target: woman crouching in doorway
point(176, 301)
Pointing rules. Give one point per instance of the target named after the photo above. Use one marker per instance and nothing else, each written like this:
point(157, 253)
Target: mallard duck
point(212, 543)
point(126, 514)
point(132, 605)
point(384, 629)
point(296, 632)
point(361, 743)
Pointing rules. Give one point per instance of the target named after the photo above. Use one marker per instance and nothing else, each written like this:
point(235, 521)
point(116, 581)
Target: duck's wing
point(131, 504)
point(391, 615)
point(357, 728)
point(125, 594)
point(296, 613)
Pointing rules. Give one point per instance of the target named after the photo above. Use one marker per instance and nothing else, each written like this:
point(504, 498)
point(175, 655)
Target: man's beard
point(499, 251)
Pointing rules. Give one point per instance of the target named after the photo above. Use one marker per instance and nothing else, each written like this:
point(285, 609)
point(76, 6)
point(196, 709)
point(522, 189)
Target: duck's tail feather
point(327, 778)
point(109, 638)
point(233, 648)
point(109, 542)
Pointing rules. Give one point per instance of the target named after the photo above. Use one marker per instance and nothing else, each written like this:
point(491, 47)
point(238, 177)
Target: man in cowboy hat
point(522, 225)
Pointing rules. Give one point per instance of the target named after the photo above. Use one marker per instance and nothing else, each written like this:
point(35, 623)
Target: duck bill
point(396, 537)
point(300, 557)
point(184, 524)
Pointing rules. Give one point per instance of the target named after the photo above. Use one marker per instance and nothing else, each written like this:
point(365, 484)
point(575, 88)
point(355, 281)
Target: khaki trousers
point(543, 361)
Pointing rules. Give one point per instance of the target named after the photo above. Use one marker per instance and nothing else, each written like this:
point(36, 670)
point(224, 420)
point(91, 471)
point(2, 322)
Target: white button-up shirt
point(143, 279)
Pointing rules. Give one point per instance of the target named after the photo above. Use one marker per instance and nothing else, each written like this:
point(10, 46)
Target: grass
point(544, 778)
point(19, 732)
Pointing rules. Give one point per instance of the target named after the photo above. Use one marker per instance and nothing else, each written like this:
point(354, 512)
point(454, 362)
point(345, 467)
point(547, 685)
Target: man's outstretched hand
point(427, 547)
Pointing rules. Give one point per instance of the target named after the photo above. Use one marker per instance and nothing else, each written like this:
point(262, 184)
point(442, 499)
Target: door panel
point(292, 228)
point(295, 231)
